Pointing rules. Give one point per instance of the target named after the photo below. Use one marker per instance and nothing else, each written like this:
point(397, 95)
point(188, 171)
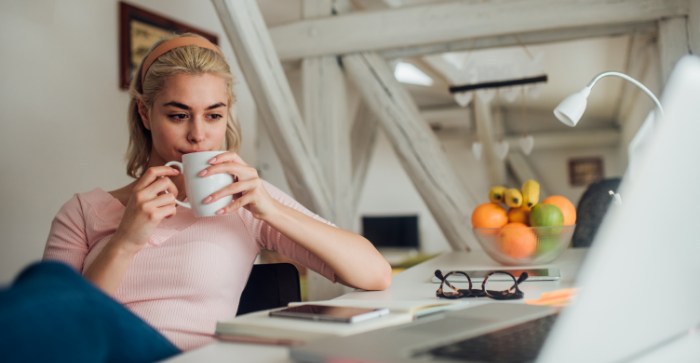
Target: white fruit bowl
point(500, 244)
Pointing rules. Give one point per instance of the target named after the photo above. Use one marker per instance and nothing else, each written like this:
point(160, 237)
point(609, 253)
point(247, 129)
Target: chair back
point(270, 286)
point(591, 209)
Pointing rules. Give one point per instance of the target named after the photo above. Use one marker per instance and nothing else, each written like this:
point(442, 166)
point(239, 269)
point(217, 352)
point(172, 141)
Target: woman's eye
point(215, 116)
point(178, 117)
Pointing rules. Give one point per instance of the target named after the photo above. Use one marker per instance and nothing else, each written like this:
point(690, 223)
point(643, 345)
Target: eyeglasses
point(511, 293)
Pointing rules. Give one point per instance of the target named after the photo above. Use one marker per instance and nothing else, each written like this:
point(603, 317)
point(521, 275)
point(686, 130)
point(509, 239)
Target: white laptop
point(639, 281)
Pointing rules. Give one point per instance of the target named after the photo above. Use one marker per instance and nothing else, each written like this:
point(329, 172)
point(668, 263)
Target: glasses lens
point(499, 282)
point(453, 282)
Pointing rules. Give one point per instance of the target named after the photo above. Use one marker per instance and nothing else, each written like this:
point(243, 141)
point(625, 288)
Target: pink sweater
point(190, 273)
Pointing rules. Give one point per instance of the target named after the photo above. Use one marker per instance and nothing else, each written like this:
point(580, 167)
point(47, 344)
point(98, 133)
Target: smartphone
point(534, 274)
point(329, 313)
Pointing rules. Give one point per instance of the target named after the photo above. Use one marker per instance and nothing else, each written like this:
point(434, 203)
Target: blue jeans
point(52, 314)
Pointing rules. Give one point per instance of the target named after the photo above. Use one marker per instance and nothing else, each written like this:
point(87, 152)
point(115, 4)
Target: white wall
point(553, 168)
point(389, 191)
point(63, 120)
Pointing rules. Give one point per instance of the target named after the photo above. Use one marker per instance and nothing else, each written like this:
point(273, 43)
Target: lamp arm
point(631, 80)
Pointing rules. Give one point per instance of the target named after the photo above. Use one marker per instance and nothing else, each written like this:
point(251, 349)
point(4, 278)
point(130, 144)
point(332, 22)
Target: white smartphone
point(534, 274)
point(329, 313)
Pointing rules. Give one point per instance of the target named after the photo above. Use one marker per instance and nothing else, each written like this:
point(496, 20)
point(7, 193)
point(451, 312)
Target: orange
point(517, 240)
point(519, 215)
point(567, 208)
point(489, 215)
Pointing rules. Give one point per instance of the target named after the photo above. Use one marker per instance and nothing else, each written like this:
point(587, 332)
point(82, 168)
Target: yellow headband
point(171, 44)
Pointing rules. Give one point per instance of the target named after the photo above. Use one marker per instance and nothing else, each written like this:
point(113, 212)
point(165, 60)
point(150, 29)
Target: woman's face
point(188, 115)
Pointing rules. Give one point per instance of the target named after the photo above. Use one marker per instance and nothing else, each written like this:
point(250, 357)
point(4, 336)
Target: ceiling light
point(408, 73)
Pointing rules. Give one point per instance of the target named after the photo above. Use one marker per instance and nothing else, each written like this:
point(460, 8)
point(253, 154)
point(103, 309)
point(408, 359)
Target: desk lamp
point(571, 109)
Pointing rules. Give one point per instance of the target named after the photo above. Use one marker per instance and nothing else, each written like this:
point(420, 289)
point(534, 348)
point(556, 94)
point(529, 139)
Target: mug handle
point(182, 171)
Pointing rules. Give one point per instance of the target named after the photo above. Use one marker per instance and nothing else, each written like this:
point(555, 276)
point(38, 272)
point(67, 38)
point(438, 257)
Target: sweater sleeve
point(269, 238)
point(67, 241)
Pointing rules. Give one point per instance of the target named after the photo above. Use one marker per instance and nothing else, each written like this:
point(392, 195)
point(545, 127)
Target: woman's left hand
point(247, 189)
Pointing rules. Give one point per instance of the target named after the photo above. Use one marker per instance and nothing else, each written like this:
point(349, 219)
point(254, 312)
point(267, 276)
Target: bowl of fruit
point(516, 229)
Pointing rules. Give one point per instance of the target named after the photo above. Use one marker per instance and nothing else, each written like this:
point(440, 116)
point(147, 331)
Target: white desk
point(413, 283)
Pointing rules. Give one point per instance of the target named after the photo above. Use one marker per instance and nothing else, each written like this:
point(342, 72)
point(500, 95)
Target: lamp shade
point(571, 108)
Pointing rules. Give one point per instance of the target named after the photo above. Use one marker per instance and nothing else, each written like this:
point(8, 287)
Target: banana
point(531, 193)
point(513, 198)
point(496, 194)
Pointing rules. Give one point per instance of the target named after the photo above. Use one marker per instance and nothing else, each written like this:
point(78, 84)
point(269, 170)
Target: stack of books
point(259, 327)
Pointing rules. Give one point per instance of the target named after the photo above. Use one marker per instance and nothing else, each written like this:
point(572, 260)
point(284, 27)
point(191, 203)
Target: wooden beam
point(326, 116)
point(530, 38)
point(249, 37)
point(634, 104)
point(578, 139)
point(325, 111)
point(673, 43)
point(694, 26)
point(458, 20)
point(483, 119)
point(449, 73)
point(416, 146)
point(362, 140)
point(484, 128)
point(440, 83)
point(447, 117)
point(523, 171)
point(638, 62)
point(316, 8)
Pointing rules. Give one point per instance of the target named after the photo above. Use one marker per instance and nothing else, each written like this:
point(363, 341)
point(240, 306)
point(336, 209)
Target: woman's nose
point(196, 132)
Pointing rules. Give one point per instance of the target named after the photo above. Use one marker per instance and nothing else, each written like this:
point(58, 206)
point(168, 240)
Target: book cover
point(261, 325)
point(415, 308)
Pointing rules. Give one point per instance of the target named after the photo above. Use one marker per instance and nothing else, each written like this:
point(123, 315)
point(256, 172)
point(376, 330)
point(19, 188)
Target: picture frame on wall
point(585, 171)
point(139, 29)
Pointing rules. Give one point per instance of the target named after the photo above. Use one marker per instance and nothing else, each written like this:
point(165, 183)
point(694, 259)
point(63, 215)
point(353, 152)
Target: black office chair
point(270, 286)
point(591, 209)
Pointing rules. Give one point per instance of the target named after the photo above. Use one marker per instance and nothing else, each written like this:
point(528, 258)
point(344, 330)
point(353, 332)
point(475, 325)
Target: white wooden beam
point(326, 116)
point(673, 43)
point(484, 128)
point(578, 139)
point(441, 84)
point(450, 73)
point(362, 140)
point(694, 26)
point(634, 105)
point(448, 117)
point(249, 37)
point(638, 63)
point(458, 20)
point(523, 171)
point(316, 8)
point(416, 146)
point(530, 38)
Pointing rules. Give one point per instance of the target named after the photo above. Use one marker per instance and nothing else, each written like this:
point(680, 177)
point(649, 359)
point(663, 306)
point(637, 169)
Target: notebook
point(259, 327)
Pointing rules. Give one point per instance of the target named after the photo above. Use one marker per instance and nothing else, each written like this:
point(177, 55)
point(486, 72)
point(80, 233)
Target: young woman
point(178, 272)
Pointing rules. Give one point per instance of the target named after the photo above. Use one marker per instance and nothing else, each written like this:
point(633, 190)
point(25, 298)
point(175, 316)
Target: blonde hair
point(189, 59)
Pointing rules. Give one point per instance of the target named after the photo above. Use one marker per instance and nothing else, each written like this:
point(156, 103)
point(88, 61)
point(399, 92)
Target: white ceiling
point(569, 65)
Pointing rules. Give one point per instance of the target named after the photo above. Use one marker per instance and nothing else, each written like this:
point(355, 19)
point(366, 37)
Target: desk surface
point(413, 283)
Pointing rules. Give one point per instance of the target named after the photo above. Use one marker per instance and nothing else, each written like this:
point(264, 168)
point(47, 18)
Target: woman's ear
point(143, 112)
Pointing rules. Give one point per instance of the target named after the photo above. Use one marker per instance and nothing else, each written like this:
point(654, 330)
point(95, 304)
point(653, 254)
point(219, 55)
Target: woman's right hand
point(148, 205)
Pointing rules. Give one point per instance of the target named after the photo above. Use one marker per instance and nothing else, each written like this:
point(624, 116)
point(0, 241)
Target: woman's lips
point(191, 151)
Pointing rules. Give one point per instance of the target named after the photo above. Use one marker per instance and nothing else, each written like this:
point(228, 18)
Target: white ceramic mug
point(197, 187)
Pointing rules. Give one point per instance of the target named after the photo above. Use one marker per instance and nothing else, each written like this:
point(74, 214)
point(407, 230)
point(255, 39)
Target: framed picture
point(139, 29)
point(585, 171)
